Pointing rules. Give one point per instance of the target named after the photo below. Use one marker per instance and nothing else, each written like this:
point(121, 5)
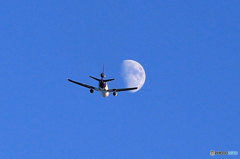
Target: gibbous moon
point(133, 74)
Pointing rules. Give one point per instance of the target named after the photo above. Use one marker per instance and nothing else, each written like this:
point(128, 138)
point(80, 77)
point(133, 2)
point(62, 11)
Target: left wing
point(122, 89)
point(81, 84)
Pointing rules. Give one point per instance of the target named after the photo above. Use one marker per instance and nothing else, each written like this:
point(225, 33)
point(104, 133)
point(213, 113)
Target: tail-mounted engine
point(102, 75)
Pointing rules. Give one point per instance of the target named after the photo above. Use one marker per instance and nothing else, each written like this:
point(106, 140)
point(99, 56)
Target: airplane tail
point(103, 76)
point(107, 80)
point(95, 78)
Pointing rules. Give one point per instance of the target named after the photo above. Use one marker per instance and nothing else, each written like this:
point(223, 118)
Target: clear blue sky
point(189, 104)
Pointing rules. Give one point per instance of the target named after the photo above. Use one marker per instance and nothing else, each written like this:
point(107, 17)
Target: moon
point(133, 74)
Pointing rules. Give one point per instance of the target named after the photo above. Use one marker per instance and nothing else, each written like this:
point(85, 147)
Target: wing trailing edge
point(122, 89)
point(81, 84)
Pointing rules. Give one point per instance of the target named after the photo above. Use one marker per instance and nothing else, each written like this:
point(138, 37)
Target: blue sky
point(188, 105)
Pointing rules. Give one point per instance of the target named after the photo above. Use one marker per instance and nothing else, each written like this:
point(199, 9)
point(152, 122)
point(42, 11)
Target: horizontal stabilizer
point(107, 80)
point(95, 78)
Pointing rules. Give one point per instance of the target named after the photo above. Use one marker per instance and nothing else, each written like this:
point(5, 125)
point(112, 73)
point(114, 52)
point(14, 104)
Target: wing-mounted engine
point(115, 93)
point(91, 90)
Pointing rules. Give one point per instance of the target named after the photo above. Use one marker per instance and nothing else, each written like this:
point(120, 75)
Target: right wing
point(122, 89)
point(81, 84)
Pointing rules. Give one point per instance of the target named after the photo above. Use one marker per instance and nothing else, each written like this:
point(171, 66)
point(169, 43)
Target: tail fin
point(103, 69)
point(102, 74)
point(95, 78)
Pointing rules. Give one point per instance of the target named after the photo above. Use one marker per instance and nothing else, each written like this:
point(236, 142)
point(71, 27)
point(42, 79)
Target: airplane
point(103, 87)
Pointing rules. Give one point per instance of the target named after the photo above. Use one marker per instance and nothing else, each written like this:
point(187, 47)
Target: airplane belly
point(104, 92)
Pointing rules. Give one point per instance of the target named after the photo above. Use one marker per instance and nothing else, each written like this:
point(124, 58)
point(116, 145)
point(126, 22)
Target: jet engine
point(102, 75)
point(115, 93)
point(91, 91)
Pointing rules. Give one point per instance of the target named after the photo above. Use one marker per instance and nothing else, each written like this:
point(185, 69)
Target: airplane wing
point(81, 84)
point(122, 89)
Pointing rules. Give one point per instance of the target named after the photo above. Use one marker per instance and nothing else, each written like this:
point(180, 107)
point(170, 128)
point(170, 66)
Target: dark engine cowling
point(91, 91)
point(115, 93)
point(102, 75)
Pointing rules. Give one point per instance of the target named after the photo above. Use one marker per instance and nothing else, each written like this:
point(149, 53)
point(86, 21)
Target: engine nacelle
point(115, 93)
point(102, 75)
point(91, 91)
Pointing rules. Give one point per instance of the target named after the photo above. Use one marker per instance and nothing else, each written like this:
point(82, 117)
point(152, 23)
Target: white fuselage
point(104, 91)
